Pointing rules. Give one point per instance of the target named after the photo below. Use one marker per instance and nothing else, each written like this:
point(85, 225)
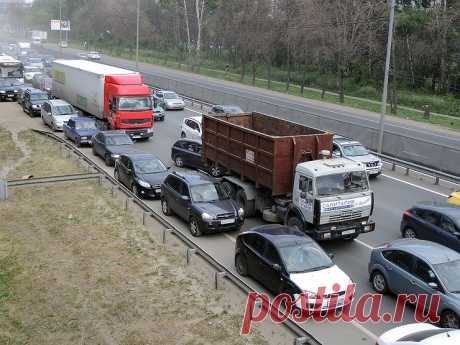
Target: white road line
point(363, 244)
point(415, 185)
point(364, 330)
point(231, 238)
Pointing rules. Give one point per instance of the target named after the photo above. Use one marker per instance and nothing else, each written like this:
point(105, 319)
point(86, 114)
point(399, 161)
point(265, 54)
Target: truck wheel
point(294, 222)
point(248, 205)
point(179, 161)
point(241, 265)
point(215, 171)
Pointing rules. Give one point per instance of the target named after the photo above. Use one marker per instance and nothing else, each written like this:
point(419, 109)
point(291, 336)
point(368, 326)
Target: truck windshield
point(208, 192)
point(354, 150)
point(355, 181)
point(134, 103)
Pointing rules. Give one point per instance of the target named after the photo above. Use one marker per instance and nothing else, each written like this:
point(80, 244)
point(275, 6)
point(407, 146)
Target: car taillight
point(407, 213)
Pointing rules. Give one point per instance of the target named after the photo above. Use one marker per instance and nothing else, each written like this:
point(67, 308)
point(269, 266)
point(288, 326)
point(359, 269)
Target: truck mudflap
point(141, 133)
point(338, 231)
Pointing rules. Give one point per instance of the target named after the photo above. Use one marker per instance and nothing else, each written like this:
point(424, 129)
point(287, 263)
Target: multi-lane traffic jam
point(307, 186)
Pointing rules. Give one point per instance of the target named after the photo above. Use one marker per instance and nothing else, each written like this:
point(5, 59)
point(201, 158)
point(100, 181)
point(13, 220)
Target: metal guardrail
point(304, 338)
point(53, 179)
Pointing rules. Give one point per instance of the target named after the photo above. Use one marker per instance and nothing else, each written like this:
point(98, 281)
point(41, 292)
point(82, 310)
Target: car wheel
point(449, 319)
point(294, 222)
point(94, 150)
point(409, 233)
point(195, 227)
point(379, 283)
point(78, 142)
point(179, 161)
point(247, 205)
point(135, 190)
point(165, 207)
point(241, 265)
point(108, 160)
point(53, 126)
point(115, 174)
point(183, 135)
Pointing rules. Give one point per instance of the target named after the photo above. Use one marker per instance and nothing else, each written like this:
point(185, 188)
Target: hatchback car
point(56, 112)
point(355, 151)
point(411, 266)
point(285, 260)
point(32, 101)
point(110, 145)
point(80, 130)
point(201, 201)
point(225, 109)
point(433, 221)
point(420, 333)
point(142, 173)
point(187, 153)
point(191, 128)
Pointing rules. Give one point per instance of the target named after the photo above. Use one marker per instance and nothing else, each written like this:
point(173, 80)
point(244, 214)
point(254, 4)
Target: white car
point(355, 151)
point(55, 113)
point(191, 128)
point(420, 334)
point(171, 100)
point(30, 72)
point(93, 56)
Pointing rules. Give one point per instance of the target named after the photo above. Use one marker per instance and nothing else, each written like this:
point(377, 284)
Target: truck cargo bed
point(261, 148)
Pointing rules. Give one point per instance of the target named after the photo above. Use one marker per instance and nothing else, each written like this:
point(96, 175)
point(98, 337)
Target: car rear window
point(420, 336)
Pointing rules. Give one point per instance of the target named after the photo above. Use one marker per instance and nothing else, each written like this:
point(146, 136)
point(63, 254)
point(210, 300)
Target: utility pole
point(387, 72)
point(137, 34)
point(60, 26)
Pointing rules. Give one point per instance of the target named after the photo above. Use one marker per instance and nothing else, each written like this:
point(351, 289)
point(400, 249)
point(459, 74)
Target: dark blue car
point(433, 221)
point(80, 130)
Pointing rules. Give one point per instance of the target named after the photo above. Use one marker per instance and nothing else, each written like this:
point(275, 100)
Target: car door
point(188, 154)
point(99, 140)
point(449, 234)
point(123, 170)
point(255, 245)
point(69, 129)
point(194, 129)
point(195, 156)
point(183, 205)
point(429, 225)
point(272, 269)
point(399, 267)
point(423, 275)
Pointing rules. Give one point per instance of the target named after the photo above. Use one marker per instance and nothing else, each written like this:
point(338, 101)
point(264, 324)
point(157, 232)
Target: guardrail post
point(3, 190)
point(217, 277)
point(302, 341)
point(163, 240)
point(126, 203)
point(436, 180)
point(407, 172)
point(143, 216)
point(393, 166)
point(112, 191)
point(188, 255)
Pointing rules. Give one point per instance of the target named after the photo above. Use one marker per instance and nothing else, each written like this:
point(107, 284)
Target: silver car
point(172, 101)
point(55, 113)
point(418, 267)
point(355, 151)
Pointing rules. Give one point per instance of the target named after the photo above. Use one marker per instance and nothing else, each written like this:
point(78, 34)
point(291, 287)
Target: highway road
point(394, 193)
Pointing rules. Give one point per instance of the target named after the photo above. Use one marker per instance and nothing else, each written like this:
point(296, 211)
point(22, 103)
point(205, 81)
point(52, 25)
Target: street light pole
point(137, 34)
point(60, 26)
point(387, 72)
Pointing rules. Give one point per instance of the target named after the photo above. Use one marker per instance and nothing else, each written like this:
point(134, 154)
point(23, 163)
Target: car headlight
point(143, 184)
point(241, 213)
point(2, 91)
point(206, 217)
point(15, 91)
point(115, 156)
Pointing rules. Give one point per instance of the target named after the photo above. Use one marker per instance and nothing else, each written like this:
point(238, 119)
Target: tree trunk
point(411, 62)
point(243, 69)
point(269, 77)
point(254, 70)
point(187, 26)
point(288, 82)
point(340, 77)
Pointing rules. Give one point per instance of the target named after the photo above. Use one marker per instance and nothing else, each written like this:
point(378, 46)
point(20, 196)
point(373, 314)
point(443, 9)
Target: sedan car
point(225, 109)
point(201, 201)
point(110, 145)
point(171, 101)
point(187, 153)
point(80, 130)
point(411, 266)
point(420, 333)
point(355, 151)
point(285, 260)
point(191, 128)
point(56, 112)
point(433, 221)
point(142, 173)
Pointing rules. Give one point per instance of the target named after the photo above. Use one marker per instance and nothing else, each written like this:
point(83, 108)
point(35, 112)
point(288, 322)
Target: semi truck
point(116, 97)
point(284, 171)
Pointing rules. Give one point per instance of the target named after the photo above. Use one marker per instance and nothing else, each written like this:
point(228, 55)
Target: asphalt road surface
point(394, 193)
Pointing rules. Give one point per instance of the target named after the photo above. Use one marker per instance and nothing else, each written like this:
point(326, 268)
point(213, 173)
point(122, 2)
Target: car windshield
point(134, 103)
point(448, 273)
point(232, 109)
point(85, 125)
point(354, 150)
point(35, 60)
point(208, 192)
point(170, 95)
point(355, 181)
point(31, 69)
point(149, 166)
point(64, 110)
point(117, 140)
point(304, 257)
point(39, 96)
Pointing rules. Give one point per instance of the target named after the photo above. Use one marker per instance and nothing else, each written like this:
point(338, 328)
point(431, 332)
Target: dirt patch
point(77, 269)
point(10, 153)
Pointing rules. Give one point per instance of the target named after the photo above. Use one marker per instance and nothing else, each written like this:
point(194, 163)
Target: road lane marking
point(364, 244)
point(415, 185)
point(231, 238)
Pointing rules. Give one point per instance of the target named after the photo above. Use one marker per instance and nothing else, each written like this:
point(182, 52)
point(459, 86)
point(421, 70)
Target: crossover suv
point(201, 201)
point(434, 221)
point(191, 128)
point(142, 173)
point(56, 112)
point(9, 89)
point(32, 101)
point(355, 151)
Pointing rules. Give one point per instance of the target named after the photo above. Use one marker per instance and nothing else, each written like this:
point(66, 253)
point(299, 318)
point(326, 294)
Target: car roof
point(56, 102)
point(338, 139)
point(196, 118)
point(140, 156)
point(432, 252)
point(280, 235)
point(194, 178)
point(116, 132)
point(35, 91)
point(450, 210)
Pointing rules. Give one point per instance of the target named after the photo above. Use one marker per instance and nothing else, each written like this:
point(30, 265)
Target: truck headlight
point(150, 130)
point(143, 184)
point(241, 213)
point(206, 217)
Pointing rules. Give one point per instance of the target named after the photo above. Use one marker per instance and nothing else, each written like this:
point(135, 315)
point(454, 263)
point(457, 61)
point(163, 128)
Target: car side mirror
point(276, 267)
point(433, 285)
point(185, 198)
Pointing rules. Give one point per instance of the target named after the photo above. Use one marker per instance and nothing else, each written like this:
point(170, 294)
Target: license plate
point(373, 171)
point(10, 96)
point(348, 232)
point(227, 221)
point(157, 190)
point(136, 136)
point(84, 138)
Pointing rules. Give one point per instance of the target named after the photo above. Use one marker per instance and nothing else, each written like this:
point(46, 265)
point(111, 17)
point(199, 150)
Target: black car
point(187, 153)
point(32, 101)
point(433, 221)
point(9, 89)
point(110, 145)
point(142, 173)
point(202, 201)
point(226, 109)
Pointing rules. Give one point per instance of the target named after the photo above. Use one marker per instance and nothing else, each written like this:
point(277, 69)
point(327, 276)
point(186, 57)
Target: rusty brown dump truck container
point(261, 148)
